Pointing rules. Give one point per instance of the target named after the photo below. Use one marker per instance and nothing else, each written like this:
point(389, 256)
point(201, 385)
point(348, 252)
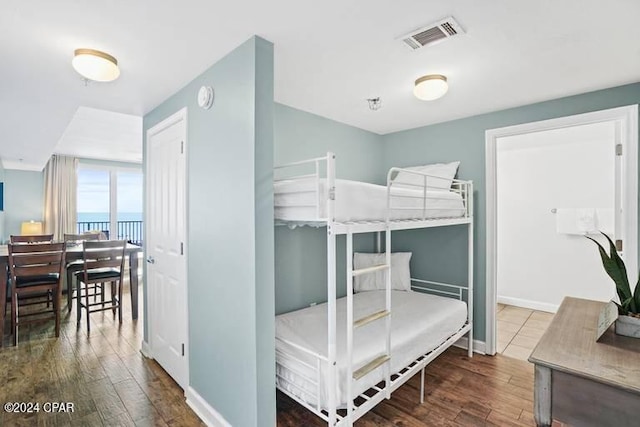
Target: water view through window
point(110, 200)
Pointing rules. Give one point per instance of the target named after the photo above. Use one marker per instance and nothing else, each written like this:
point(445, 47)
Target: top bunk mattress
point(355, 201)
point(419, 323)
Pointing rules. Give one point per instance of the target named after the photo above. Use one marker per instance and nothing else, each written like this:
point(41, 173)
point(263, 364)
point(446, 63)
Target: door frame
point(179, 116)
point(626, 119)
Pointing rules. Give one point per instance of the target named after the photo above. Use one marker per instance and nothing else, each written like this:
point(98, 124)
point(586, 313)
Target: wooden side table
point(583, 382)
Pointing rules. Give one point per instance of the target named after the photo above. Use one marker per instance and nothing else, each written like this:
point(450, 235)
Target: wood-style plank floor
point(481, 391)
point(103, 374)
point(110, 383)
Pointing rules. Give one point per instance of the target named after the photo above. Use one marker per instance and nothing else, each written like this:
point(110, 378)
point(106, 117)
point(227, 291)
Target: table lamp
point(30, 228)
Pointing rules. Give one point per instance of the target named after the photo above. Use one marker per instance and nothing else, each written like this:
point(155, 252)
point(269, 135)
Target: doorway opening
point(549, 184)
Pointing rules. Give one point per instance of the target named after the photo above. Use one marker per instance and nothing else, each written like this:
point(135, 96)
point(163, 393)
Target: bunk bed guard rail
point(321, 171)
point(426, 190)
point(322, 168)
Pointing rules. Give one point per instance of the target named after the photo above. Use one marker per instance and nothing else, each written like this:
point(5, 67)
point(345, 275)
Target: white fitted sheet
point(419, 323)
point(296, 199)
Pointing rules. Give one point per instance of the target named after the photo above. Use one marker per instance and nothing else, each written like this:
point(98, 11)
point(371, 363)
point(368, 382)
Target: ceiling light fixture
point(430, 87)
point(95, 65)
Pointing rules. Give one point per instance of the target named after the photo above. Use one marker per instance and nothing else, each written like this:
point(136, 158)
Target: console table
point(582, 382)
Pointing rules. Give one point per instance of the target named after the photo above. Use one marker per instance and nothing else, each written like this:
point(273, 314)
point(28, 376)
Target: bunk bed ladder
point(380, 360)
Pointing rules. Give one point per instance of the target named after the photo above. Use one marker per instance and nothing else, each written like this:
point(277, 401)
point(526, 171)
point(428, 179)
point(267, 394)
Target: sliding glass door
point(94, 200)
point(110, 200)
point(129, 205)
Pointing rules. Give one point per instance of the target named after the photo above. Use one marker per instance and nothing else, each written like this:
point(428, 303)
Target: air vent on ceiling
point(432, 34)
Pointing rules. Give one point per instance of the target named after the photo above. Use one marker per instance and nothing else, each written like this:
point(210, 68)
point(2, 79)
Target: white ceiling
point(329, 57)
point(100, 134)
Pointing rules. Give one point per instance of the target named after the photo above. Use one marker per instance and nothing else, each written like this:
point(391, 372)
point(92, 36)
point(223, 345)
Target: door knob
point(151, 260)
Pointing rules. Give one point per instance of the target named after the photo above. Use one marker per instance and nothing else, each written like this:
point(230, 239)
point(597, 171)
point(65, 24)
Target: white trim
point(206, 412)
point(627, 117)
point(180, 115)
point(478, 346)
point(532, 305)
point(117, 168)
point(145, 349)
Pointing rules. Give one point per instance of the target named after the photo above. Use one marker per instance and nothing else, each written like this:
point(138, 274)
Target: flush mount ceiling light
point(430, 87)
point(95, 65)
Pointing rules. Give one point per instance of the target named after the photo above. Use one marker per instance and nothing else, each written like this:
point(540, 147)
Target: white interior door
point(165, 245)
point(552, 187)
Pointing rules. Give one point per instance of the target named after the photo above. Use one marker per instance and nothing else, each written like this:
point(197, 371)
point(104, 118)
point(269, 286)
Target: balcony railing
point(131, 231)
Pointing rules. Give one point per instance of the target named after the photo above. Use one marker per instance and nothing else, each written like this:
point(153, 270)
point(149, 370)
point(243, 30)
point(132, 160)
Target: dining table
point(72, 254)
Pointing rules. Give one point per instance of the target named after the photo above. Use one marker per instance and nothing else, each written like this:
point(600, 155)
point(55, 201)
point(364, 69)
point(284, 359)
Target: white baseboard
point(532, 305)
point(146, 350)
point(210, 416)
point(478, 346)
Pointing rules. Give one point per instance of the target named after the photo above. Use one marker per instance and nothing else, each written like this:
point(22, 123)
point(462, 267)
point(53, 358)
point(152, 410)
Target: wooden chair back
point(35, 238)
point(102, 254)
point(35, 260)
point(77, 239)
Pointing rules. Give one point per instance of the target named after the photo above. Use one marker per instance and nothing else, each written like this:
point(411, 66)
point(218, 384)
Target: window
point(110, 200)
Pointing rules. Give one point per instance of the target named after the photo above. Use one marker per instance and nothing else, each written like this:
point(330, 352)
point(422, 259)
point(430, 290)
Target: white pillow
point(400, 275)
point(444, 171)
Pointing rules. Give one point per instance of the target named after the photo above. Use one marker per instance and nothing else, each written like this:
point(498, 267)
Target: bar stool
point(36, 270)
point(103, 262)
point(72, 240)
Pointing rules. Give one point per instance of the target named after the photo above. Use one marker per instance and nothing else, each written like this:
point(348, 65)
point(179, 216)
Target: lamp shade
point(95, 65)
point(430, 87)
point(30, 228)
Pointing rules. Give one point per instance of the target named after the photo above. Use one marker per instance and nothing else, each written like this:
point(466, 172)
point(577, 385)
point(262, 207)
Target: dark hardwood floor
point(110, 383)
point(103, 374)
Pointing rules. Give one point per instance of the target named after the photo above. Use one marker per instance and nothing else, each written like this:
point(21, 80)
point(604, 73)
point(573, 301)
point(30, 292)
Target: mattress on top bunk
point(419, 323)
point(296, 199)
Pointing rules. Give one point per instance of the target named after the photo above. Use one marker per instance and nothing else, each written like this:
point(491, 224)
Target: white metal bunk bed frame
point(368, 399)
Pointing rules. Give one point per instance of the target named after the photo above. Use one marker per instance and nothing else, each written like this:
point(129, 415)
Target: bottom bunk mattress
point(419, 323)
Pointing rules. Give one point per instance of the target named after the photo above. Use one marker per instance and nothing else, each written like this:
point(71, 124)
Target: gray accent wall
point(301, 254)
point(230, 238)
point(23, 199)
point(2, 215)
point(464, 140)
point(300, 135)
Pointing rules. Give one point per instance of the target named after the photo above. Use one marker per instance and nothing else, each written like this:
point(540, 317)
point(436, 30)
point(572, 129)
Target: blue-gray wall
point(230, 238)
point(2, 215)
point(300, 135)
point(23, 199)
point(301, 254)
point(464, 140)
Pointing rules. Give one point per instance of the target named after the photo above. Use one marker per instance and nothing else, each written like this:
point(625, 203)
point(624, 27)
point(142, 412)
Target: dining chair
point(103, 262)
point(73, 266)
point(35, 238)
point(35, 270)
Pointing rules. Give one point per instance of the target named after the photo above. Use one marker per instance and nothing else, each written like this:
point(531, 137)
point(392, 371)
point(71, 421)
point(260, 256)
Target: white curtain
point(60, 185)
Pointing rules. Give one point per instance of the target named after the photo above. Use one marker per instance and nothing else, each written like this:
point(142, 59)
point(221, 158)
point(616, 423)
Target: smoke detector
point(432, 34)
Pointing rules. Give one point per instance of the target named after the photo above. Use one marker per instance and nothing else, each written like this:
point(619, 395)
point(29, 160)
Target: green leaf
point(614, 267)
point(613, 251)
point(626, 305)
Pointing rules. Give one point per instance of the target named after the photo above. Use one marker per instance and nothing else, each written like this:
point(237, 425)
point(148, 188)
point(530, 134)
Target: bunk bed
point(339, 359)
